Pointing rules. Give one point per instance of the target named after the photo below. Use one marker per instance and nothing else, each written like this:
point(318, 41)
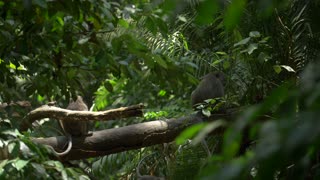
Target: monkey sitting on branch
point(74, 127)
point(210, 87)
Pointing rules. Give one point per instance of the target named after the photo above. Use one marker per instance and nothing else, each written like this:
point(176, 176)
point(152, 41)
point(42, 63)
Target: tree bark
point(126, 138)
point(66, 115)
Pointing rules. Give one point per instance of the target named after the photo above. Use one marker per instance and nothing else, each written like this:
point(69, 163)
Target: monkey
point(211, 86)
point(74, 127)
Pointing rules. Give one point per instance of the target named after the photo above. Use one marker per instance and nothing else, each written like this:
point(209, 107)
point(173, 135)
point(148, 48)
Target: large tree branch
point(125, 138)
point(66, 115)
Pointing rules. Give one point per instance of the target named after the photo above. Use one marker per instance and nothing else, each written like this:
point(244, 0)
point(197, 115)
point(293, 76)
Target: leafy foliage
point(120, 53)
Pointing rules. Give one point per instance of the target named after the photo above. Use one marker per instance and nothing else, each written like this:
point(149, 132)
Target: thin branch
point(67, 115)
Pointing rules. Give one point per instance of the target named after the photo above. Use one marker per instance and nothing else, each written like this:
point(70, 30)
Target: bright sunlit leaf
point(162, 93)
point(288, 68)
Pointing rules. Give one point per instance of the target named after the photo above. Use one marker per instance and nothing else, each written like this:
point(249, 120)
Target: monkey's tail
point(139, 164)
point(68, 148)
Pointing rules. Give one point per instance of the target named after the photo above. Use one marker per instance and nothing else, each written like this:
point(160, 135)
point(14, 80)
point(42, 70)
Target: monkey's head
point(78, 105)
point(219, 75)
point(79, 98)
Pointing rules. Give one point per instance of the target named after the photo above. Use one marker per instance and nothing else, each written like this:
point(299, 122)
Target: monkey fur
point(211, 86)
point(74, 127)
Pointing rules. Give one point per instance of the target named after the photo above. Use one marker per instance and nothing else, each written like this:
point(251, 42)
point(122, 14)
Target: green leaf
point(3, 163)
point(242, 42)
point(263, 57)
point(252, 47)
point(226, 65)
point(39, 169)
point(64, 174)
point(56, 164)
point(277, 69)
point(123, 23)
point(189, 133)
point(206, 112)
point(254, 34)
point(221, 53)
point(60, 20)
point(264, 40)
point(162, 26)
point(192, 65)
point(160, 61)
point(288, 68)
point(20, 164)
point(215, 62)
point(123, 63)
point(185, 42)
point(83, 40)
point(182, 18)
point(11, 66)
point(150, 24)
point(162, 93)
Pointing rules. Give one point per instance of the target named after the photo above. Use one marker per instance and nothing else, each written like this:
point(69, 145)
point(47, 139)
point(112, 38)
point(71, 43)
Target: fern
point(293, 36)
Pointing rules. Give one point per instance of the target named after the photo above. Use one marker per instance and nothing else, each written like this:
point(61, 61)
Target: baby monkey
point(74, 127)
point(210, 87)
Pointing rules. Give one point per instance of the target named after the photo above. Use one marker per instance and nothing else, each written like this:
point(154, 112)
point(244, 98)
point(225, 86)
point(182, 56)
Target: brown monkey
point(211, 86)
point(74, 127)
